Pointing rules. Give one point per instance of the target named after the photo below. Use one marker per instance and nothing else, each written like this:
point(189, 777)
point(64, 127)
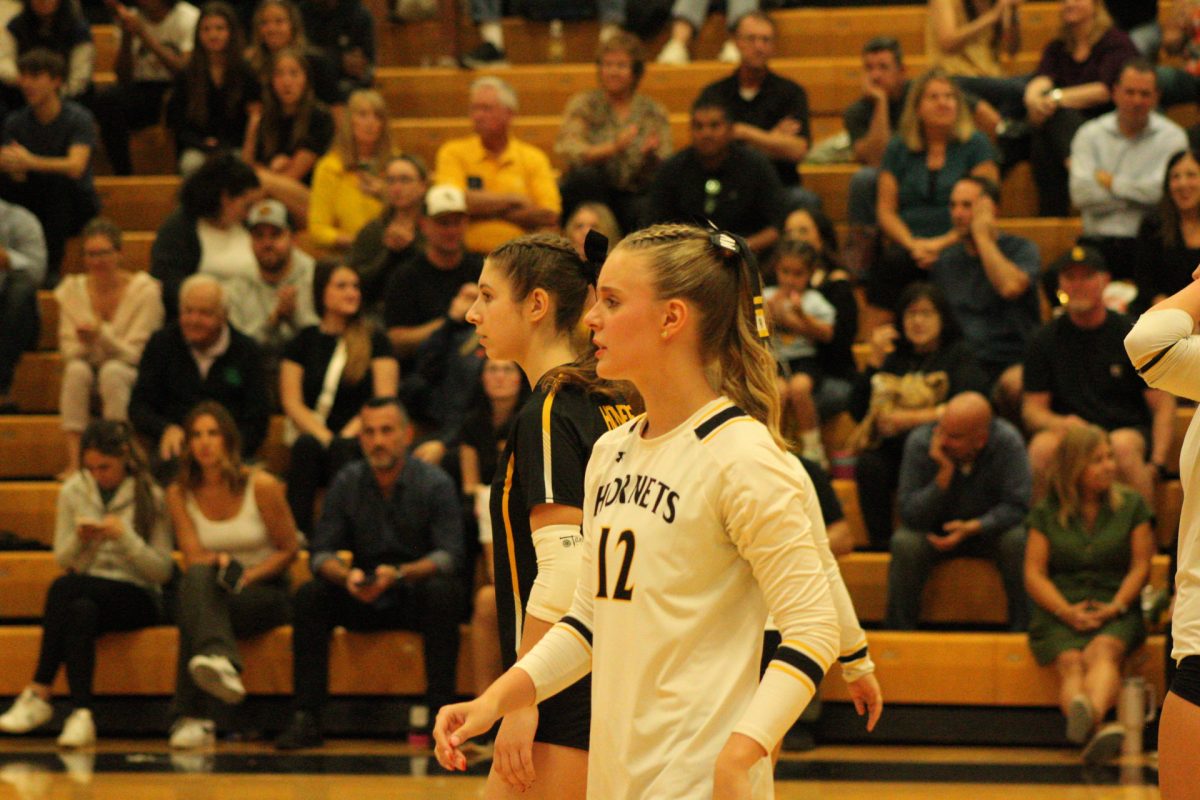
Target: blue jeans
point(864, 186)
point(1175, 86)
point(1147, 38)
point(913, 558)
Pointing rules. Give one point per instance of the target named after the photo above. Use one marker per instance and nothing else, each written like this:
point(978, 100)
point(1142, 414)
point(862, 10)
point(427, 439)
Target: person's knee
point(83, 613)
point(908, 547)
point(800, 386)
point(1041, 449)
point(485, 604)
point(1012, 544)
point(1069, 661)
point(115, 376)
point(62, 590)
point(196, 578)
point(312, 598)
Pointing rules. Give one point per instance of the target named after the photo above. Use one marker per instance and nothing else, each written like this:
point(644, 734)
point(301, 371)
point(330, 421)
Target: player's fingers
point(523, 765)
point(859, 706)
point(876, 705)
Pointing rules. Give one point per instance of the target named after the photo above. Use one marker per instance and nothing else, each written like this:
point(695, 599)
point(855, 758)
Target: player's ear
point(675, 316)
point(538, 305)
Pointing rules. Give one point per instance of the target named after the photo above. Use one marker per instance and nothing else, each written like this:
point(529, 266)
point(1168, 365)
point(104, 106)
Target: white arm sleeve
point(559, 549)
point(561, 657)
point(1162, 347)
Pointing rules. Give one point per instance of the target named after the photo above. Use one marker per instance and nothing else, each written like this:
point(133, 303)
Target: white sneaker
point(28, 711)
point(79, 764)
point(189, 733)
point(729, 53)
point(217, 676)
point(674, 52)
point(78, 730)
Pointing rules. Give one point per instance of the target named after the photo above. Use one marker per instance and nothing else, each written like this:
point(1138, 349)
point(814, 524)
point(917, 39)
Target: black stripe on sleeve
point(795, 658)
point(578, 626)
point(855, 656)
point(718, 419)
point(1149, 365)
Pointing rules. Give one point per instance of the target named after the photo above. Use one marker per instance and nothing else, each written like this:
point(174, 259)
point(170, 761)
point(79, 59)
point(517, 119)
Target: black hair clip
point(730, 246)
point(595, 249)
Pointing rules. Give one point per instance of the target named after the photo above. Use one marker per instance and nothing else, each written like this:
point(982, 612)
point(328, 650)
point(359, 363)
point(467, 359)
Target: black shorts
point(1186, 683)
point(566, 718)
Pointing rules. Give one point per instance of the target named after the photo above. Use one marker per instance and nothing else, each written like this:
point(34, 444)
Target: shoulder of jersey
point(727, 423)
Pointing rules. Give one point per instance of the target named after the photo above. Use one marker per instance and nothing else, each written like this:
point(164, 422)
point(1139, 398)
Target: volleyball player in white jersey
point(1165, 350)
point(532, 293)
point(695, 528)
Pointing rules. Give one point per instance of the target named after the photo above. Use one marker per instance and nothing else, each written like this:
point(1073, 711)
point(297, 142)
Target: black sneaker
point(485, 55)
point(301, 732)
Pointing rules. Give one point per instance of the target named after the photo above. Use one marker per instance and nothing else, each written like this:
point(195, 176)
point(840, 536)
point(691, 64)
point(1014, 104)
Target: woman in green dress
point(1086, 562)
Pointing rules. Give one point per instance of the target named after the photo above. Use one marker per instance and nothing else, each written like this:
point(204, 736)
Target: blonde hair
point(1101, 22)
point(608, 221)
point(912, 130)
point(343, 142)
point(1071, 458)
point(686, 264)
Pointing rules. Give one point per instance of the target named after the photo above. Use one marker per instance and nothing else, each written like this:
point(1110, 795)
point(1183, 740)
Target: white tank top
point(243, 536)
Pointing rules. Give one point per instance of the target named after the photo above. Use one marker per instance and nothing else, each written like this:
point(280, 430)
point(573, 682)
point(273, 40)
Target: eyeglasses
point(401, 179)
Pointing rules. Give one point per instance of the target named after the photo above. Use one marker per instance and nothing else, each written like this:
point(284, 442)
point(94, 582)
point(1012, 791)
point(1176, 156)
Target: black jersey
point(543, 462)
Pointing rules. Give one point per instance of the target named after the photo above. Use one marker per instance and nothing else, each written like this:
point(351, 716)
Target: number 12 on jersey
point(622, 590)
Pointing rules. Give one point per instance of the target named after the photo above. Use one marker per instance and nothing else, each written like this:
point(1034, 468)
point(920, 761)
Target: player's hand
point(868, 698)
point(731, 774)
point(456, 723)
point(512, 758)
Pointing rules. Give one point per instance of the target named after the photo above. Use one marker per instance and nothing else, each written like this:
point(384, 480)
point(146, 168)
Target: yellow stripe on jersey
point(788, 669)
point(512, 549)
point(725, 425)
point(795, 644)
point(547, 449)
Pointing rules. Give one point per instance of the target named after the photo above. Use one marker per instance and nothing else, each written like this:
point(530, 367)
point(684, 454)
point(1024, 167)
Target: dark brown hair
point(234, 474)
point(115, 439)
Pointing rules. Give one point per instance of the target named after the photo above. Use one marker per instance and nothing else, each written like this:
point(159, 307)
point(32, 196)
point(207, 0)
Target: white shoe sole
point(211, 680)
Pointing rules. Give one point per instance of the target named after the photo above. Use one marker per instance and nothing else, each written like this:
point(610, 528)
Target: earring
point(665, 334)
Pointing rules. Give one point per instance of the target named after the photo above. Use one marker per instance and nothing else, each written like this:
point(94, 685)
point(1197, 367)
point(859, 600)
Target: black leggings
point(78, 609)
point(1186, 683)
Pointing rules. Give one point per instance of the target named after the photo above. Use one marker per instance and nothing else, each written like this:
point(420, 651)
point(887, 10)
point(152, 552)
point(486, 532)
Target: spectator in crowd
point(1086, 561)
point(510, 184)
point(210, 102)
point(484, 436)
point(346, 190)
point(1139, 19)
point(990, 280)
point(238, 539)
point(294, 129)
point(46, 159)
point(55, 25)
point(769, 112)
point(486, 15)
point(276, 303)
point(1180, 38)
point(199, 357)
point(591, 217)
point(154, 41)
point(22, 270)
point(278, 25)
point(400, 519)
point(1071, 85)
point(1117, 165)
point(970, 40)
point(329, 370)
point(1076, 373)
point(926, 351)
point(394, 236)
point(837, 529)
point(112, 536)
point(687, 18)
point(935, 146)
point(106, 315)
point(206, 234)
point(964, 491)
point(870, 122)
point(720, 179)
point(1169, 240)
point(801, 319)
point(835, 357)
point(613, 137)
point(344, 31)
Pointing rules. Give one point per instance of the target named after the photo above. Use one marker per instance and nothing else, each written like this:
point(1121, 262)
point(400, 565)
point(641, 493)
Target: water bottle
point(1135, 707)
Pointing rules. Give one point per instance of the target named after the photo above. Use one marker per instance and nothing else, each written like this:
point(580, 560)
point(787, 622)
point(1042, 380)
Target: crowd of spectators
point(984, 427)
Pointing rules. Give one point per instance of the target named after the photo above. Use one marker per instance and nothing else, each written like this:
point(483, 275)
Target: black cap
point(1085, 255)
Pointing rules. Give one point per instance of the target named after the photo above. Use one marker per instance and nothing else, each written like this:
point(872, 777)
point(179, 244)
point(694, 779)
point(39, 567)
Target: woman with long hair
point(212, 97)
point(533, 291)
point(1072, 84)
point(346, 194)
point(935, 146)
point(691, 509)
point(327, 373)
point(236, 533)
point(927, 348)
point(278, 24)
point(1165, 351)
point(1169, 240)
point(113, 538)
point(1086, 561)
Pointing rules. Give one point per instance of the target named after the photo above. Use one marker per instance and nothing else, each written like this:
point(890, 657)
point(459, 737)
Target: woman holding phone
point(112, 537)
point(237, 536)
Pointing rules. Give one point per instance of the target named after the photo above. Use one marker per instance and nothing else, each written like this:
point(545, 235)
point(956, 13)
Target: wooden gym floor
point(30, 769)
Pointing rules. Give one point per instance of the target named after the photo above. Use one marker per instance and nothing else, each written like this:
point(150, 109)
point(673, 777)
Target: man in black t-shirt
point(720, 180)
point(871, 120)
point(769, 112)
point(1077, 373)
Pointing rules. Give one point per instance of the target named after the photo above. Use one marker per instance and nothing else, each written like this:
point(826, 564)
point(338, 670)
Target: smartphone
point(230, 576)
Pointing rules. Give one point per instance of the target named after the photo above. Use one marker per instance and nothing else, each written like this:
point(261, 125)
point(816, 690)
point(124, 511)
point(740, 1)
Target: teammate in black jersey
point(532, 293)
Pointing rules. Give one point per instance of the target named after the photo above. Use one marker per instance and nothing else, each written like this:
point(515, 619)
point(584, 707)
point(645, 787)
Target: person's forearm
point(333, 570)
point(1036, 88)
point(870, 148)
point(72, 168)
point(1129, 593)
point(483, 203)
point(1162, 431)
point(532, 218)
point(891, 224)
point(1043, 592)
point(1085, 95)
point(1038, 418)
point(950, 38)
point(781, 146)
point(170, 59)
point(1005, 276)
point(406, 339)
point(764, 239)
